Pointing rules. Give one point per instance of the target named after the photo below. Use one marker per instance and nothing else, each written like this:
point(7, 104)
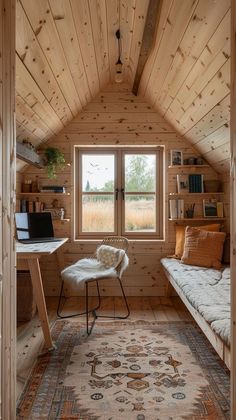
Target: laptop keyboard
point(39, 240)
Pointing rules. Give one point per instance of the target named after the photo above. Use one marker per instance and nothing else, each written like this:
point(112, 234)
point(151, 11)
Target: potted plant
point(54, 161)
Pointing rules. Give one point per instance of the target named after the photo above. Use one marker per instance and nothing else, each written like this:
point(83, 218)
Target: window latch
point(116, 193)
point(122, 193)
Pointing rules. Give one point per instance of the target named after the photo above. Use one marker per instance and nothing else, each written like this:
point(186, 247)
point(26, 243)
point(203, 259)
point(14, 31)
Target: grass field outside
point(98, 216)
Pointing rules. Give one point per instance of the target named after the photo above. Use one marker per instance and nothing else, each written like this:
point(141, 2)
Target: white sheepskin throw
point(75, 275)
point(109, 255)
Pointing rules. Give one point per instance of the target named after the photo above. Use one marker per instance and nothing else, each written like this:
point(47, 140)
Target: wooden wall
point(187, 76)
point(118, 117)
point(7, 200)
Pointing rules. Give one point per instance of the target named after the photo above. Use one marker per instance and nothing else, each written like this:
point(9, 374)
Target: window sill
point(97, 241)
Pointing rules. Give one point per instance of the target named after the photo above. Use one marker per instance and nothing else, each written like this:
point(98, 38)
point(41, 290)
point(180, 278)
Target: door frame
point(7, 207)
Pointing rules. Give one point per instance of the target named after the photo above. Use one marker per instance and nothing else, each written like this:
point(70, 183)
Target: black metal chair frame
point(118, 242)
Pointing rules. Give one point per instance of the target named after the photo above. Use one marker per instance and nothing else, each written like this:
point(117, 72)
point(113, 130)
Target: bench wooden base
point(220, 347)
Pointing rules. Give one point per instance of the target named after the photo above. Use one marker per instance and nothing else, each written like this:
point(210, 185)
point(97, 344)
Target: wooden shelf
point(196, 219)
point(187, 166)
point(194, 194)
point(31, 194)
point(28, 155)
point(60, 220)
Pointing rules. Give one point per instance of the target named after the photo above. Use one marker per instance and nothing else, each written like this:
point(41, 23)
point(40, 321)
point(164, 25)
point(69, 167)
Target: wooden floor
point(30, 339)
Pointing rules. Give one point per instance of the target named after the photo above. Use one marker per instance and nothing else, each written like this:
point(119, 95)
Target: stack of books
point(192, 183)
point(29, 206)
point(53, 189)
point(176, 209)
point(195, 183)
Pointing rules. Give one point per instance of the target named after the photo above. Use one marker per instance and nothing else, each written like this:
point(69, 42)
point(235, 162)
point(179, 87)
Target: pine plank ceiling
point(66, 52)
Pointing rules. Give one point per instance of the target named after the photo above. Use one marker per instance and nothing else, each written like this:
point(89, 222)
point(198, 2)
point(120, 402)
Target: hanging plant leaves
point(55, 161)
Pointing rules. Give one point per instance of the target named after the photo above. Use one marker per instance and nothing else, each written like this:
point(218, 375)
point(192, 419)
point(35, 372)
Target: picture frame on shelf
point(176, 157)
point(182, 183)
point(56, 213)
point(210, 208)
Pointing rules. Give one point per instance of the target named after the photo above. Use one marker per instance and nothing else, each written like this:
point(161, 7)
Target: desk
point(28, 256)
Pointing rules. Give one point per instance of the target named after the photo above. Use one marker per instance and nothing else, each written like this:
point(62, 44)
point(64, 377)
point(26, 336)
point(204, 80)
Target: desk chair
point(90, 270)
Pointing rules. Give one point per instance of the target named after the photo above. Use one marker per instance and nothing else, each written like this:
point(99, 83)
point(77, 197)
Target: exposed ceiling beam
point(151, 24)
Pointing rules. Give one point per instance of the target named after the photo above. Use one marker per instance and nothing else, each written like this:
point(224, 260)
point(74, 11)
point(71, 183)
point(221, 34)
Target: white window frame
point(119, 208)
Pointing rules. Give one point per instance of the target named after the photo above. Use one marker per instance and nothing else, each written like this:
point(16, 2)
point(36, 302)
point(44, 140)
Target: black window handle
point(122, 190)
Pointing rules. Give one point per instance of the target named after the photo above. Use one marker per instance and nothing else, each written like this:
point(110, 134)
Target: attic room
point(117, 245)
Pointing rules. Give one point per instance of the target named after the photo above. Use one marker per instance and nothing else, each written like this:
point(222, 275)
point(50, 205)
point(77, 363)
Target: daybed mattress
point(208, 291)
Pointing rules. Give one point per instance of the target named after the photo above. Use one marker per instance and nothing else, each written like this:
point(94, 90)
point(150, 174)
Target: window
point(119, 192)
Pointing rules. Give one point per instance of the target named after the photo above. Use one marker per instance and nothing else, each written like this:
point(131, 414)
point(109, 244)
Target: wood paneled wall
point(118, 117)
point(7, 200)
point(187, 76)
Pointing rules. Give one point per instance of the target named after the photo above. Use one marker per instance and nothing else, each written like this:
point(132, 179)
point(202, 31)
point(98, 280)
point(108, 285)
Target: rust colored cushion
point(180, 236)
point(203, 248)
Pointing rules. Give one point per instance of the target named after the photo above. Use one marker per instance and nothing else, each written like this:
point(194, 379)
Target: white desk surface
point(43, 248)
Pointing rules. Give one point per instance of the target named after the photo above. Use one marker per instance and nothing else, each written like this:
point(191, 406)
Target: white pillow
point(109, 256)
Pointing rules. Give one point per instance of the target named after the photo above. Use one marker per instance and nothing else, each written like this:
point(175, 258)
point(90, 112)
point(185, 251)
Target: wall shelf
point(60, 220)
point(194, 194)
point(40, 194)
point(196, 219)
point(29, 155)
point(187, 166)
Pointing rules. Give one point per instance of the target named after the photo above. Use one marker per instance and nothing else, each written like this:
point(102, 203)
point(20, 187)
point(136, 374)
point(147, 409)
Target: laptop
point(34, 228)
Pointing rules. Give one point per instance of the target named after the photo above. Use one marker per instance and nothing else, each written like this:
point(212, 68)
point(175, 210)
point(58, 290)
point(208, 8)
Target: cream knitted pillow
point(109, 256)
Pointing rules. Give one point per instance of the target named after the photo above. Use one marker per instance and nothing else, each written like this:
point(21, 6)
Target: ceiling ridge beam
point(151, 24)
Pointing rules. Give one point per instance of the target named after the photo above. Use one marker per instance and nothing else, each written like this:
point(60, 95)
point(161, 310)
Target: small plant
point(54, 160)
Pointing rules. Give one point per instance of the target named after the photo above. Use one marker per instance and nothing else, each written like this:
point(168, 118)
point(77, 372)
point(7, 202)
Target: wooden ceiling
point(187, 76)
point(66, 52)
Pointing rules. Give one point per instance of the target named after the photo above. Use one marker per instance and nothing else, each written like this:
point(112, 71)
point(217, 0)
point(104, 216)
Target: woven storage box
point(26, 307)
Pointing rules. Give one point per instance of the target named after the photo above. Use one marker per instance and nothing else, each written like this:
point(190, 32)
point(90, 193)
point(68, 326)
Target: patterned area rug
point(137, 371)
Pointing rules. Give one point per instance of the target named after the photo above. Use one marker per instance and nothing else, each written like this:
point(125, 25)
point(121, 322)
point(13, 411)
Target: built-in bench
point(206, 294)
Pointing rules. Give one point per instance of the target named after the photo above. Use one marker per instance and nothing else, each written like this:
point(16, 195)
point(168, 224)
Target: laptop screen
point(33, 225)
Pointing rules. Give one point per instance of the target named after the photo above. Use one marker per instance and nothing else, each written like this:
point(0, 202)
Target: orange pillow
point(203, 248)
point(180, 236)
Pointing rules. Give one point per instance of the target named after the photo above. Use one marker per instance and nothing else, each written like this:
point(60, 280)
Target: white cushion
point(109, 256)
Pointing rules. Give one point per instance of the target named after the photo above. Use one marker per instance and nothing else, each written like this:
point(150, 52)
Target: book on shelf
point(28, 206)
point(18, 205)
point(53, 189)
point(220, 209)
point(176, 209)
point(31, 206)
point(180, 209)
point(39, 206)
point(192, 183)
point(196, 183)
point(182, 183)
